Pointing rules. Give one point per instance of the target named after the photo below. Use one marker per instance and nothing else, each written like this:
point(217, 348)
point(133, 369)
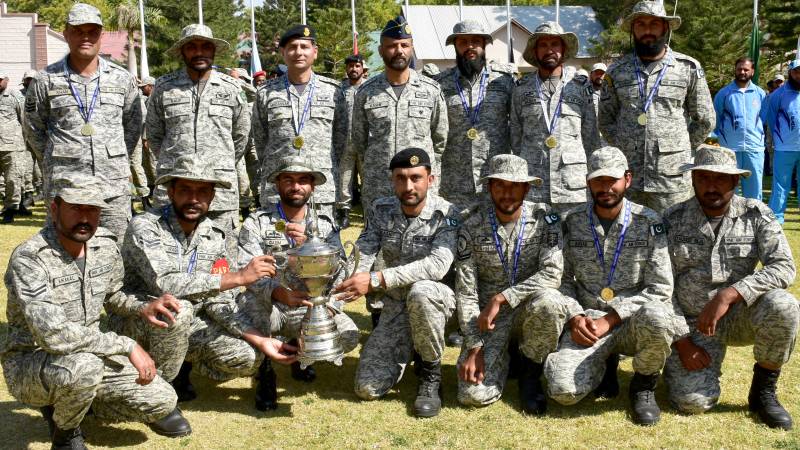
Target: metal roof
point(431, 24)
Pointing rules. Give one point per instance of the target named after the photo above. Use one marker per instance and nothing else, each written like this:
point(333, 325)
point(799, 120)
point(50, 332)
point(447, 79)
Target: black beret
point(354, 59)
point(298, 31)
point(397, 28)
point(409, 158)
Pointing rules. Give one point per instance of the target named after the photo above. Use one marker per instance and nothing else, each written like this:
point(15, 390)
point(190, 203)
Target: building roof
point(115, 45)
point(431, 24)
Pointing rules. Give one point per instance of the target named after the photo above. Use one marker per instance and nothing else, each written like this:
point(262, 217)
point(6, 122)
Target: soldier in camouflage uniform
point(549, 126)
point(200, 112)
point(300, 113)
point(656, 107)
point(277, 305)
point(12, 149)
point(141, 177)
point(33, 170)
point(416, 231)
point(56, 357)
point(355, 69)
point(617, 283)
point(178, 250)
point(247, 168)
point(478, 97)
point(84, 116)
point(497, 295)
point(717, 239)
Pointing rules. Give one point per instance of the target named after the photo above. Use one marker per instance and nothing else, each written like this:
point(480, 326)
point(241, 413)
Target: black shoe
point(308, 374)
point(455, 339)
point(376, 317)
point(8, 216)
point(515, 363)
point(68, 439)
point(183, 385)
point(429, 402)
point(763, 399)
point(24, 212)
point(47, 413)
point(244, 211)
point(266, 387)
point(531, 394)
point(609, 385)
point(643, 399)
point(27, 200)
point(173, 425)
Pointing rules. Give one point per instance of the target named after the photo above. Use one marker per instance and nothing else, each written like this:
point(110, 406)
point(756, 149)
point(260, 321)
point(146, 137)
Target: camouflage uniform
point(678, 120)
point(349, 91)
point(31, 170)
point(259, 237)
point(13, 154)
point(703, 264)
point(418, 253)
point(56, 353)
point(53, 130)
point(140, 175)
point(642, 288)
point(324, 132)
point(480, 275)
point(464, 160)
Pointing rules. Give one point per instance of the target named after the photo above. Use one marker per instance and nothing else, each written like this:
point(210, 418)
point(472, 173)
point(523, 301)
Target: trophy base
point(319, 338)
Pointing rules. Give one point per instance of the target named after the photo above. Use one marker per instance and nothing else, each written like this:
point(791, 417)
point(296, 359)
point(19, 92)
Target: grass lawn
point(327, 413)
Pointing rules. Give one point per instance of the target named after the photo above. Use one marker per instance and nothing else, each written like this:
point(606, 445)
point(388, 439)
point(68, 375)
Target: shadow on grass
point(100, 433)
point(213, 397)
point(15, 418)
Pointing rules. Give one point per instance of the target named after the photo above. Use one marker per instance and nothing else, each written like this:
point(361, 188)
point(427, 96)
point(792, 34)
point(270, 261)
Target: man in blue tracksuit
point(739, 125)
point(781, 112)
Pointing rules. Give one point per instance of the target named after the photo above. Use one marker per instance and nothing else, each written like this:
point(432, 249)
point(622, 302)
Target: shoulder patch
point(552, 218)
point(658, 228)
point(463, 248)
point(451, 221)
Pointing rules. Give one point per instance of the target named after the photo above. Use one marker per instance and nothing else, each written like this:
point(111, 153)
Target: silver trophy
point(317, 264)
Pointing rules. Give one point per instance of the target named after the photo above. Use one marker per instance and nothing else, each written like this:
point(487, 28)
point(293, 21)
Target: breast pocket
point(221, 114)
point(670, 98)
point(573, 159)
point(64, 111)
point(111, 105)
point(67, 292)
point(376, 112)
point(323, 111)
point(419, 114)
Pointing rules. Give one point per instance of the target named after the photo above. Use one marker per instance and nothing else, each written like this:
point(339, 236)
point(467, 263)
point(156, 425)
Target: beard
point(415, 200)
point(183, 212)
point(199, 63)
point(470, 67)
point(794, 84)
point(397, 62)
point(550, 63)
point(289, 198)
point(609, 202)
point(650, 50)
point(744, 78)
point(598, 83)
point(353, 75)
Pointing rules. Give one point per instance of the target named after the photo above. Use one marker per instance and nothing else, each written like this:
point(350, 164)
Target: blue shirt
point(739, 124)
point(782, 114)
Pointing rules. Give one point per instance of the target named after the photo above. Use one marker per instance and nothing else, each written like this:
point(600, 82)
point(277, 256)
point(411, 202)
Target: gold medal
point(87, 130)
point(551, 142)
point(280, 226)
point(298, 142)
point(607, 294)
point(472, 133)
point(642, 119)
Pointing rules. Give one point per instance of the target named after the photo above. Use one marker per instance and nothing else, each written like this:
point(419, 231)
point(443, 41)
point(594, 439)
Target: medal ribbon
point(473, 113)
point(512, 276)
point(549, 122)
point(654, 90)
point(86, 114)
point(307, 108)
point(618, 250)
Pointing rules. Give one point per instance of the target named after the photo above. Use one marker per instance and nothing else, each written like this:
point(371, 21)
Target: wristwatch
point(374, 281)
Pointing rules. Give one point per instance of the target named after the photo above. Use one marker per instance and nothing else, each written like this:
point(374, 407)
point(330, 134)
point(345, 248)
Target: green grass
point(327, 413)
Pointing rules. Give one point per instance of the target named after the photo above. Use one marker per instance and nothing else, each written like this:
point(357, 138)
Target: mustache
point(82, 227)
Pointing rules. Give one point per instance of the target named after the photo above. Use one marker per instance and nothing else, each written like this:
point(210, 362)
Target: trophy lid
point(314, 247)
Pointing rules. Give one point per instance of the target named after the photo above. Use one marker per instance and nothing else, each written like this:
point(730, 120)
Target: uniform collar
point(202, 229)
point(214, 78)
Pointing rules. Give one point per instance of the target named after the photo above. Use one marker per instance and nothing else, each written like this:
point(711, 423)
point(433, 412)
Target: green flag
point(755, 49)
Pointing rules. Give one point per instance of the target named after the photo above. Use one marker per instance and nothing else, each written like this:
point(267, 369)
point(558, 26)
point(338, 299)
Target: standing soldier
point(32, 172)
point(656, 108)
point(354, 67)
point(247, 167)
point(499, 286)
point(84, 116)
point(416, 231)
point(300, 113)
point(12, 150)
point(202, 113)
point(550, 119)
point(142, 164)
point(594, 90)
point(722, 296)
point(478, 98)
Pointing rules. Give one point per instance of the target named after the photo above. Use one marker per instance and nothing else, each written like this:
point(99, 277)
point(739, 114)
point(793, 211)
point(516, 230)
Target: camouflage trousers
point(769, 325)
point(138, 175)
point(574, 370)
point(252, 166)
point(216, 354)
point(73, 383)
point(11, 167)
point(167, 346)
point(243, 181)
point(414, 322)
point(529, 322)
point(660, 201)
point(29, 175)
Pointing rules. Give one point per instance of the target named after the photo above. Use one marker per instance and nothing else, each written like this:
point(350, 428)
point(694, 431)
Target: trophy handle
point(356, 254)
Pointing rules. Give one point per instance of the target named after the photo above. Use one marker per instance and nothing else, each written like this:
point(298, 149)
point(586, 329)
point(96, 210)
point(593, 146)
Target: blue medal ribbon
point(549, 122)
point(307, 108)
point(85, 113)
point(654, 90)
point(512, 276)
point(472, 113)
point(618, 250)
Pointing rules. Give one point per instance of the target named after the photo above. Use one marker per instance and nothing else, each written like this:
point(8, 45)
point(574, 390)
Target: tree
point(781, 19)
point(126, 18)
point(54, 12)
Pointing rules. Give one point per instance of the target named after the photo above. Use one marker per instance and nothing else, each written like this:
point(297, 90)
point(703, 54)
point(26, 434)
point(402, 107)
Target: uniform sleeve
point(516, 121)
point(339, 135)
point(467, 302)
point(132, 117)
point(359, 132)
point(222, 309)
point(432, 267)
point(608, 111)
point(47, 320)
point(117, 301)
point(259, 123)
point(439, 127)
point(699, 108)
point(551, 266)
point(369, 244)
point(589, 132)
point(37, 113)
point(681, 326)
point(241, 125)
point(154, 124)
point(249, 248)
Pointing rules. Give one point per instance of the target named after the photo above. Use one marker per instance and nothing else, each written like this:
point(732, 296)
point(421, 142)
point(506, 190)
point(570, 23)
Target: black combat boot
point(183, 385)
point(609, 385)
point(308, 374)
point(429, 402)
point(245, 212)
point(643, 399)
point(764, 400)
point(8, 216)
point(172, 425)
point(24, 212)
point(376, 317)
point(267, 387)
point(68, 439)
point(27, 200)
point(47, 413)
point(531, 394)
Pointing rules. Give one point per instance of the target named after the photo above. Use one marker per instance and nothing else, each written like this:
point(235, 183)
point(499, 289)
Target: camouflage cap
point(599, 66)
point(188, 168)
point(607, 162)
point(430, 70)
point(511, 168)
point(582, 73)
point(715, 159)
point(550, 29)
point(297, 164)
point(81, 14)
point(242, 73)
point(80, 189)
point(197, 31)
point(650, 8)
point(468, 28)
point(147, 81)
point(30, 74)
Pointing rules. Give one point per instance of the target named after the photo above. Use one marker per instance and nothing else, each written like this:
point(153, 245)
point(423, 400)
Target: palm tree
point(126, 18)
